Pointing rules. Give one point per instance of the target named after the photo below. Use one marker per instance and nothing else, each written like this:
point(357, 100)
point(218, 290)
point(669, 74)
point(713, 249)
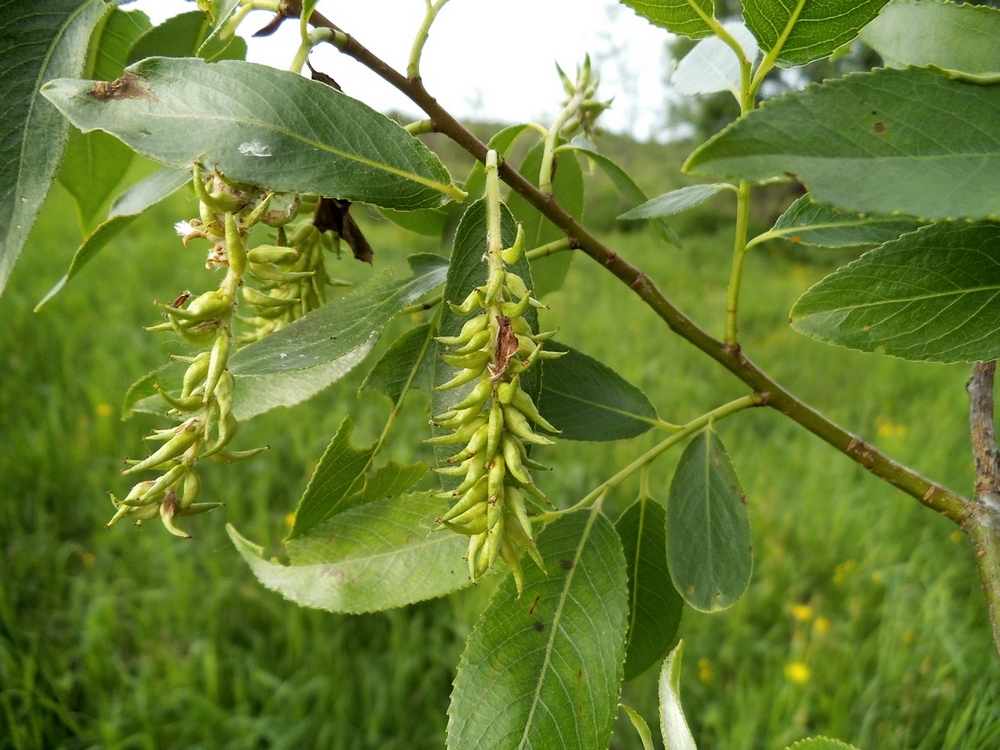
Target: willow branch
point(933, 495)
point(983, 523)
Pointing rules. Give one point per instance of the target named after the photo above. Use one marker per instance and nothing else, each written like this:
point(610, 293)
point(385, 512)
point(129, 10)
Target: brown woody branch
point(939, 498)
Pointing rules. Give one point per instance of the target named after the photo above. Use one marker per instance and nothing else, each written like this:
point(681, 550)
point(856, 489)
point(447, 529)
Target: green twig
point(413, 67)
point(550, 248)
point(755, 399)
point(739, 256)
point(417, 307)
point(772, 56)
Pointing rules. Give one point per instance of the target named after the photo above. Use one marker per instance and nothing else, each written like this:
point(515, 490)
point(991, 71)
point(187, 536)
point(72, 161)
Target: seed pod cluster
point(494, 420)
point(204, 405)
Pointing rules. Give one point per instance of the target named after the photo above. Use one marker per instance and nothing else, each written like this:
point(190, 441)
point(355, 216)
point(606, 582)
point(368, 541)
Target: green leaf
point(391, 480)
point(369, 558)
point(654, 605)
point(820, 743)
point(675, 201)
point(430, 222)
point(548, 273)
point(679, 16)
point(932, 296)
point(588, 400)
point(875, 143)
point(408, 363)
point(673, 724)
point(468, 270)
point(817, 30)
point(41, 41)
point(301, 359)
point(640, 726)
point(263, 126)
point(341, 467)
point(708, 532)
point(965, 39)
point(120, 31)
point(712, 66)
point(95, 162)
point(812, 223)
point(186, 35)
point(544, 670)
point(92, 168)
point(626, 186)
point(127, 208)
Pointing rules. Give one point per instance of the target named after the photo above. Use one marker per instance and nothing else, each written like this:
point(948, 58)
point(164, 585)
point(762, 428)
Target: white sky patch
point(485, 59)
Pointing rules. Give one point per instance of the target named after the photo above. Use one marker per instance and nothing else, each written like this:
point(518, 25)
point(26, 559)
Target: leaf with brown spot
point(129, 86)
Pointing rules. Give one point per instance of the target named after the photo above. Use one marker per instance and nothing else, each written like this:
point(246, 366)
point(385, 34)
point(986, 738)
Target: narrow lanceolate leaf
point(41, 40)
point(342, 467)
point(673, 724)
point(567, 187)
point(933, 295)
point(127, 208)
point(712, 65)
point(654, 605)
point(544, 670)
point(409, 363)
point(377, 556)
point(675, 201)
point(708, 532)
point(645, 736)
point(874, 143)
point(812, 223)
point(95, 162)
point(466, 271)
point(259, 125)
point(588, 400)
point(391, 480)
point(807, 30)
point(626, 186)
point(965, 39)
point(685, 17)
point(298, 361)
point(821, 743)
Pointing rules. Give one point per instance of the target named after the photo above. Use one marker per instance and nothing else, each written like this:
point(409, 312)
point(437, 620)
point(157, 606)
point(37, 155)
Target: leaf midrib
point(550, 645)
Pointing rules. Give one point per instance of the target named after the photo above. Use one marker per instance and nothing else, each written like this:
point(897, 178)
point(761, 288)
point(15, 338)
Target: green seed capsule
point(469, 305)
point(170, 450)
point(516, 309)
point(476, 495)
point(516, 284)
point(236, 251)
point(261, 300)
point(523, 403)
point(495, 429)
point(461, 435)
point(195, 373)
point(517, 509)
point(273, 254)
point(495, 478)
point(493, 286)
point(476, 360)
point(469, 515)
point(480, 341)
point(473, 527)
point(476, 542)
point(518, 425)
point(190, 489)
point(477, 396)
point(463, 377)
point(217, 364)
point(512, 457)
point(513, 254)
point(509, 555)
point(231, 457)
point(469, 329)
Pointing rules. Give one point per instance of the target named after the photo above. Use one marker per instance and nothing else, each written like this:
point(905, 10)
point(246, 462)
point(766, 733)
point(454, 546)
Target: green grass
point(129, 638)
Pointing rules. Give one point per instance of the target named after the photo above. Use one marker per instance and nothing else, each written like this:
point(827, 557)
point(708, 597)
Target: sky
point(486, 59)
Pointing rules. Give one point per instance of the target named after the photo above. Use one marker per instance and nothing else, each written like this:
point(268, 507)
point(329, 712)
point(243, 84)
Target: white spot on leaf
point(254, 148)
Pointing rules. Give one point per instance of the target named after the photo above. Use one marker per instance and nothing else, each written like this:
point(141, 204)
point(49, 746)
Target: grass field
point(864, 619)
